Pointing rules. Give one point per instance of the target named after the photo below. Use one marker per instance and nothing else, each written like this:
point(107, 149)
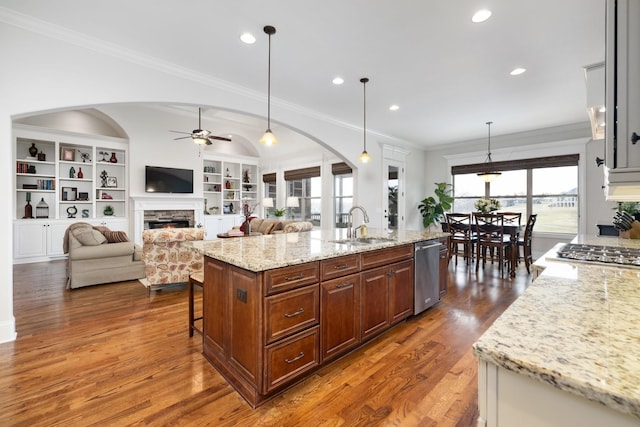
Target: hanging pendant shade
point(364, 156)
point(489, 174)
point(269, 138)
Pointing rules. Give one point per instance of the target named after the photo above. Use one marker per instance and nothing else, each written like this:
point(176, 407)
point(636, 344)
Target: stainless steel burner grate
point(603, 254)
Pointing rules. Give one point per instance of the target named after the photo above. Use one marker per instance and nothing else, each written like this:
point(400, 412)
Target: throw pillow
point(90, 237)
point(101, 228)
point(116, 236)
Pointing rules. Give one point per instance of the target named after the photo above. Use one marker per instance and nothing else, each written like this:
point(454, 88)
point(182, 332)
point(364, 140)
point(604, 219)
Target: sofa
point(168, 259)
point(98, 255)
point(273, 226)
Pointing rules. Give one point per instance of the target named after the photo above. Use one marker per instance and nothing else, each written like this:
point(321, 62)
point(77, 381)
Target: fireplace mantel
point(139, 204)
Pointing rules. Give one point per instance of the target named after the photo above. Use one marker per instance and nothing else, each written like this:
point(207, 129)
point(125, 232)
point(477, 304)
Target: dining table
point(513, 230)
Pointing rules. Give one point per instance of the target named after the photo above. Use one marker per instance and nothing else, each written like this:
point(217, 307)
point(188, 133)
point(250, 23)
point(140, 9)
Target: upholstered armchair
point(98, 255)
point(168, 258)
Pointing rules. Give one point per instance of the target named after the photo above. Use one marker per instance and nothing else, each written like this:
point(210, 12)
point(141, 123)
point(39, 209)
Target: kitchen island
point(277, 307)
point(567, 351)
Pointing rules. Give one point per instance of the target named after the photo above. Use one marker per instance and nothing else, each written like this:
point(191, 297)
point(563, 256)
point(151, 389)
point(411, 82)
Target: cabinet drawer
point(340, 266)
point(290, 358)
point(285, 278)
point(290, 312)
point(386, 256)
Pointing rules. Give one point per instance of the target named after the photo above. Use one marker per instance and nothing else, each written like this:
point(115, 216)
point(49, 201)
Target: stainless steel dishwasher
point(426, 272)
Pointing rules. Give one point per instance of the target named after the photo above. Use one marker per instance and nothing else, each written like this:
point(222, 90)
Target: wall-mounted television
point(168, 180)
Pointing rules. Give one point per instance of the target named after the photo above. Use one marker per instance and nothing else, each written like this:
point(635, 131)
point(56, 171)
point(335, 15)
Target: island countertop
point(261, 253)
point(577, 328)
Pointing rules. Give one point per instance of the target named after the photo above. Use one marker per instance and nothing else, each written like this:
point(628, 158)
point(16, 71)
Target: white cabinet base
point(509, 399)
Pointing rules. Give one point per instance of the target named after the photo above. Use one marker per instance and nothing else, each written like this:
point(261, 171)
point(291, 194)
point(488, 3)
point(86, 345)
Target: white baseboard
point(8, 330)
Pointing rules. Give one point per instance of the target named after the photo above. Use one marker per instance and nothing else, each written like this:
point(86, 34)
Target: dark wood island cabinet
point(265, 330)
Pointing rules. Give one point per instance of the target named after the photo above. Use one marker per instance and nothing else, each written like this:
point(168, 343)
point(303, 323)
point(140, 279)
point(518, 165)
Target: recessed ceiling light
point(517, 71)
point(248, 38)
point(481, 15)
point(394, 107)
point(337, 81)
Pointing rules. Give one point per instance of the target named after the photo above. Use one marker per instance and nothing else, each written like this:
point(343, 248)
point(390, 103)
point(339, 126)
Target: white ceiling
point(448, 75)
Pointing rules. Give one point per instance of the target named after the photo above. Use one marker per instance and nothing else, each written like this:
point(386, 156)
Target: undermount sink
point(363, 240)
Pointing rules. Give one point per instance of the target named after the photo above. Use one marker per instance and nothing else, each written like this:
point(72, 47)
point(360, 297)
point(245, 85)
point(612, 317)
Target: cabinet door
point(55, 238)
point(400, 291)
point(30, 239)
point(214, 309)
point(374, 305)
point(340, 316)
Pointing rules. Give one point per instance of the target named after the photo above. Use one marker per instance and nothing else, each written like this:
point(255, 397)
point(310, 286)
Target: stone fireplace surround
point(146, 208)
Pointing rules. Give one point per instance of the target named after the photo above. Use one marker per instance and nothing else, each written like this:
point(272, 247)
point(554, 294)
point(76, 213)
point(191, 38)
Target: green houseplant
point(433, 208)
point(108, 210)
point(279, 212)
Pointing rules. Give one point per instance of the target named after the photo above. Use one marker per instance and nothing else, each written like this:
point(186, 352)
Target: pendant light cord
point(364, 81)
point(269, 86)
point(489, 143)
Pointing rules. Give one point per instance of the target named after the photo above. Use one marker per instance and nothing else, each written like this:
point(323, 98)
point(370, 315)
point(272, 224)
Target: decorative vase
point(33, 151)
point(28, 210)
point(113, 158)
point(80, 174)
point(247, 227)
point(42, 157)
point(227, 184)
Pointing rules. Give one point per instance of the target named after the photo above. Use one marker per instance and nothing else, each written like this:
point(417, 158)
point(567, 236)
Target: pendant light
point(364, 157)
point(269, 138)
point(489, 173)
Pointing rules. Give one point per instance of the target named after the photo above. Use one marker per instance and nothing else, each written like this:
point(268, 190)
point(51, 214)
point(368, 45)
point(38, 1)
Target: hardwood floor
point(112, 355)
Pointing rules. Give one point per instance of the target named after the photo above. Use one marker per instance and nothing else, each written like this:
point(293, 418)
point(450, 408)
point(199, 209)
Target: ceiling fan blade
point(182, 137)
point(219, 138)
point(178, 131)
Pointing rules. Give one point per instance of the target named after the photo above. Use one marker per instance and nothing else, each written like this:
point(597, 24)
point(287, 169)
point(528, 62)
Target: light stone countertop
point(577, 327)
point(260, 253)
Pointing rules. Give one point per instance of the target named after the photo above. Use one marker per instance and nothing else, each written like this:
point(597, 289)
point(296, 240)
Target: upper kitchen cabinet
point(622, 100)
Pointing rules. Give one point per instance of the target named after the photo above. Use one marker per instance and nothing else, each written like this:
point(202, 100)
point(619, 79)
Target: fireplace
point(171, 223)
point(186, 211)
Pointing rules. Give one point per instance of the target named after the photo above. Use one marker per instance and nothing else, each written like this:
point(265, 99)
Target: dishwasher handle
point(419, 247)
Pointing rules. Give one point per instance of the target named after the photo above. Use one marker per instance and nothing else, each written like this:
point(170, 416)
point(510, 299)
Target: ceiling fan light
point(364, 157)
point(268, 138)
point(200, 140)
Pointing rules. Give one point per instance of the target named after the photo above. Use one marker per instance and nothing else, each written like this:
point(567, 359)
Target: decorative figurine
point(72, 211)
point(42, 157)
point(86, 157)
point(72, 172)
point(103, 179)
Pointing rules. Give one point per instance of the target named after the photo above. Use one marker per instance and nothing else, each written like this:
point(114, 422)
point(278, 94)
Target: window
point(342, 192)
point(269, 180)
point(306, 186)
point(545, 186)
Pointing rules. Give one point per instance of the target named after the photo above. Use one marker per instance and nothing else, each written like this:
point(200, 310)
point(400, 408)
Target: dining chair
point(461, 228)
point(511, 218)
point(525, 242)
point(491, 241)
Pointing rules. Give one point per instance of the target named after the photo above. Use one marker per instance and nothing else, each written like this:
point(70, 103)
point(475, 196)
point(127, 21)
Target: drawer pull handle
point(298, 357)
point(344, 285)
point(295, 313)
point(296, 277)
point(341, 266)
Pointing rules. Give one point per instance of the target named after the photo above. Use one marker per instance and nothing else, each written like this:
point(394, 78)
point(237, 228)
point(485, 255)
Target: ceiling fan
point(201, 136)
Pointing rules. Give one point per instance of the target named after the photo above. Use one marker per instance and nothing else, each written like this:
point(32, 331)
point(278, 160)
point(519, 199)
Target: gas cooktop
point(599, 254)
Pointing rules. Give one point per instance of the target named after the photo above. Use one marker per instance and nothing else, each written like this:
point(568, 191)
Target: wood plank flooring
point(112, 355)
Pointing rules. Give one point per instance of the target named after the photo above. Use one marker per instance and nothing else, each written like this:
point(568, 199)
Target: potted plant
point(632, 208)
point(279, 212)
point(432, 208)
point(108, 210)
